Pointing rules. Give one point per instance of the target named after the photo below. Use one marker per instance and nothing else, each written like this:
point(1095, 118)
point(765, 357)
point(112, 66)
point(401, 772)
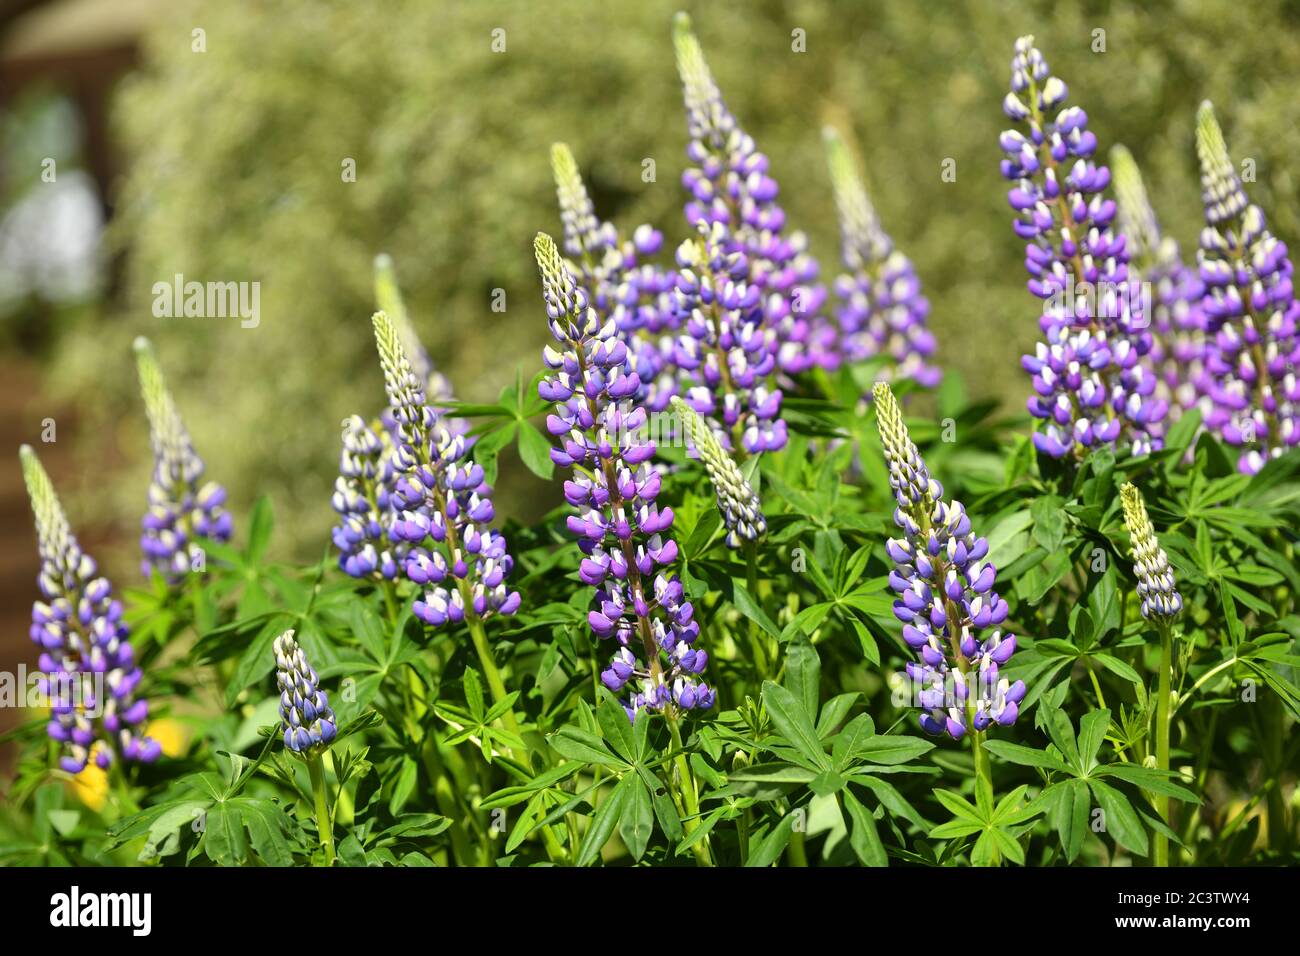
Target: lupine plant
point(750, 625)
point(1250, 310)
point(1092, 378)
point(181, 512)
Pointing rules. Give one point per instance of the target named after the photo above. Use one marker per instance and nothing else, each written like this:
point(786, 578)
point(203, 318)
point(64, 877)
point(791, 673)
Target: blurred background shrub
point(231, 165)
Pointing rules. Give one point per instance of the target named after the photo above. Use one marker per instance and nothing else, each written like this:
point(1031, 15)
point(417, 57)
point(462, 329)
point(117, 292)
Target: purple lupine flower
point(623, 534)
point(946, 601)
point(882, 310)
point(1157, 589)
point(726, 354)
point(363, 498)
point(1092, 376)
point(619, 284)
point(733, 198)
point(181, 512)
point(442, 502)
point(91, 675)
point(1178, 350)
point(742, 512)
point(305, 711)
point(1250, 311)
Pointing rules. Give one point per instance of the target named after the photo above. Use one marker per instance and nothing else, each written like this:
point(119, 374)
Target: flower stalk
point(1161, 604)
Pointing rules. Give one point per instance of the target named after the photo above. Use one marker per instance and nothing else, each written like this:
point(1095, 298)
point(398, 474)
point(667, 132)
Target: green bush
point(234, 174)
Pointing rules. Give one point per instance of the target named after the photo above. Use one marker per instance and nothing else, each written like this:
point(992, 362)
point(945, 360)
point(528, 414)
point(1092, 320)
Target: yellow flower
point(91, 785)
point(171, 734)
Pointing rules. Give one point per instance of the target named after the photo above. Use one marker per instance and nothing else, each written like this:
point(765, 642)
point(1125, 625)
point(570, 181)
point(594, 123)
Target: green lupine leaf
point(1092, 731)
point(794, 723)
point(636, 822)
point(1151, 779)
point(1121, 820)
point(803, 669)
point(863, 836)
point(769, 850)
point(604, 821)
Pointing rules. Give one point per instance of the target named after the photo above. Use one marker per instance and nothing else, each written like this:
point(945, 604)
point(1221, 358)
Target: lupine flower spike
point(882, 310)
point(305, 710)
point(1161, 603)
point(946, 601)
point(90, 672)
point(622, 533)
point(1178, 350)
point(1092, 377)
point(1251, 312)
point(733, 204)
point(363, 498)
point(1156, 587)
point(442, 502)
point(618, 282)
point(364, 491)
point(181, 512)
point(742, 512)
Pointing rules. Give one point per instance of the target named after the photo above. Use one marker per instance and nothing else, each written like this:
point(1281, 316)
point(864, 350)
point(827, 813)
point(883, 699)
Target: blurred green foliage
point(235, 175)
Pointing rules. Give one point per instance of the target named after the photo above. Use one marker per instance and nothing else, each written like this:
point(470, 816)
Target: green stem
point(795, 850)
point(689, 797)
point(1218, 668)
point(390, 601)
point(756, 642)
point(121, 788)
point(1279, 824)
point(323, 823)
point(983, 768)
point(1162, 736)
point(445, 799)
point(344, 808)
point(1096, 686)
point(495, 684)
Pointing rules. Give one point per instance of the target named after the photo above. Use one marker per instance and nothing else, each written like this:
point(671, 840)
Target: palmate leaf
point(999, 826)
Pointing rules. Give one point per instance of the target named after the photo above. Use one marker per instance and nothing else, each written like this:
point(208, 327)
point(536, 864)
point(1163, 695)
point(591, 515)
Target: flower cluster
point(441, 501)
point(946, 601)
point(1156, 586)
point(1092, 376)
point(618, 283)
point(180, 510)
point(1250, 311)
point(1178, 349)
point(882, 310)
point(622, 533)
point(732, 194)
point(363, 498)
point(304, 708)
point(742, 512)
point(726, 353)
point(91, 674)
